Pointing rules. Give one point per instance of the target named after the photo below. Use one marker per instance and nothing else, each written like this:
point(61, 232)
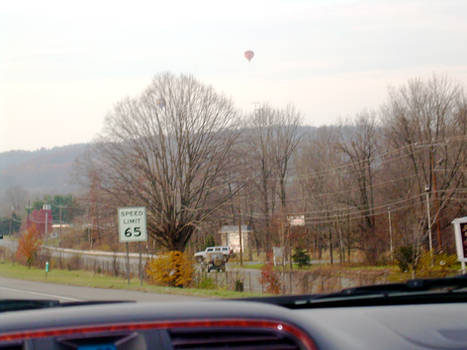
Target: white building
point(231, 237)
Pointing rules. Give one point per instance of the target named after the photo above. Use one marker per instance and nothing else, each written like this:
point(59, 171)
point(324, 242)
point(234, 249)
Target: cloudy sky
point(64, 64)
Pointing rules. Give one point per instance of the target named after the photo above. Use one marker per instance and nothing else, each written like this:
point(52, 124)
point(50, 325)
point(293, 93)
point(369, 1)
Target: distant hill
point(42, 171)
point(49, 171)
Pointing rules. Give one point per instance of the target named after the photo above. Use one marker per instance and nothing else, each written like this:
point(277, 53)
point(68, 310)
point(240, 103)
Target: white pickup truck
point(226, 251)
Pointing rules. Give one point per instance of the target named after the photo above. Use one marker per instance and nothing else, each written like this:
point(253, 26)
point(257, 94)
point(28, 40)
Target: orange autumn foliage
point(270, 279)
point(174, 269)
point(28, 245)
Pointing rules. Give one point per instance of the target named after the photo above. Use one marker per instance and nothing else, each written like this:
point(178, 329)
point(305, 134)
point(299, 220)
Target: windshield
point(230, 149)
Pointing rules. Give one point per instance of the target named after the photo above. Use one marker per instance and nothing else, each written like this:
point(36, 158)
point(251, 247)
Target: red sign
point(463, 226)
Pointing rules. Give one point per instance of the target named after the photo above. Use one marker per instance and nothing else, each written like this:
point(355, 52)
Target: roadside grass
point(370, 267)
point(256, 266)
point(336, 266)
point(259, 266)
point(393, 272)
point(89, 279)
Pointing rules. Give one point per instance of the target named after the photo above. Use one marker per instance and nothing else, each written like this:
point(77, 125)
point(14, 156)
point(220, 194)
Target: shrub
point(238, 286)
point(405, 257)
point(3, 253)
point(74, 262)
point(28, 245)
point(174, 269)
point(42, 257)
point(436, 262)
point(447, 261)
point(270, 279)
point(206, 283)
point(116, 268)
point(301, 258)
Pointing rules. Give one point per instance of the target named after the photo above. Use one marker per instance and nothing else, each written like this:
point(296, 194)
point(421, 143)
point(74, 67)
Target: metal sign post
point(132, 228)
point(140, 264)
point(460, 233)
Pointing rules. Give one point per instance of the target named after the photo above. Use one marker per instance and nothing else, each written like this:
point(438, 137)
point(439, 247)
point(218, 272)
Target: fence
point(114, 263)
point(319, 280)
point(294, 282)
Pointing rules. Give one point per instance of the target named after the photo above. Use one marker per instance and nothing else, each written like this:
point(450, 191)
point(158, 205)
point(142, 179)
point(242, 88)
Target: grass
point(247, 266)
point(259, 266)
point(338, 266)
point(370, 267)
point(90, 279)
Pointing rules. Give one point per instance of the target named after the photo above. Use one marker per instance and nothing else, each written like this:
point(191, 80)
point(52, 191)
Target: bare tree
point(261, 165)
point(428, 121)
point(316, 165)
point(274, 139)
point(167, 150)
point(16, 198)
point(287, 138)
point(360, 150)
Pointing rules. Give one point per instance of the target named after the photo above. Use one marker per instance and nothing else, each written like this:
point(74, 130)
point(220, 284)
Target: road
point(19, 289)
point(105, 261)
point(7, 243)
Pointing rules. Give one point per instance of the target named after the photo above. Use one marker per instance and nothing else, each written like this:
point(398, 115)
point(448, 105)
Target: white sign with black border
point(132, 224)
point(460, 234)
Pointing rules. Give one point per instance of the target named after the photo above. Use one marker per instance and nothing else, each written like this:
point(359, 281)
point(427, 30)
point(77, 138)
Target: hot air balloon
point(160, 102)
point(249, 55)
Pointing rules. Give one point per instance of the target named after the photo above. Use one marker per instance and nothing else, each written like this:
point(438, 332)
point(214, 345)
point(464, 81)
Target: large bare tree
point(287, 139)
point(274, 139)
point(428, 121)
point(360, 150)
point(169, 150)
point(261, 166)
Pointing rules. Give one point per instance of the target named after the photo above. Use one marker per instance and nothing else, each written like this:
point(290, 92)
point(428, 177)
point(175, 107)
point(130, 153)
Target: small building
point(42, 219)
point(296, 220)
point(231, 237)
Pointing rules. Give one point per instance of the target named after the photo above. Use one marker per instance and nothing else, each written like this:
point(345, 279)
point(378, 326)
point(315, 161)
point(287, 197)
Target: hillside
point(41, 171)
point(49, 171)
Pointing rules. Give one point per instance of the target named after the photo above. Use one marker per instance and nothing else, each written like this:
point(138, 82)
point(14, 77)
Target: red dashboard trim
point(247, 323)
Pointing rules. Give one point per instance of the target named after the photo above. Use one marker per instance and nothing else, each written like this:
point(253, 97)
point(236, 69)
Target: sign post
point(460, 233)
point(140, 264)
point(132, 228)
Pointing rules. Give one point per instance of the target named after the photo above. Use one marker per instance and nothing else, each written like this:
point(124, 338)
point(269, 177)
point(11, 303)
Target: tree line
point(65, 208)
point(386, 178)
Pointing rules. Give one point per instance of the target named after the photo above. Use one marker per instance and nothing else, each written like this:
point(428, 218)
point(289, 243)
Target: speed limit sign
point(132, 224)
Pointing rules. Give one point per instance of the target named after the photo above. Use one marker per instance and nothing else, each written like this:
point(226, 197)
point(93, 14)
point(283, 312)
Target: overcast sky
point(64, 64)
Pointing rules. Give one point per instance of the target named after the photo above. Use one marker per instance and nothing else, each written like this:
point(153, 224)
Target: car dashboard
point(234, 325)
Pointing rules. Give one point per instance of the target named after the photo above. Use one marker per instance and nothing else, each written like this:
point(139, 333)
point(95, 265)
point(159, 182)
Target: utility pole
point(28, 209)
point(60, 207)
point(60, 219)
point(240, 234)
point(240, 238)
point(46, 208)
point(46, 225)
point(430, 239)
point(390, 234)
point(436, 204)
point(11, 222)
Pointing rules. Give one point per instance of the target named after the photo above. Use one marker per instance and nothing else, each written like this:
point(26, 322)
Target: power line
point(418, 148)
point(379, 184)
point(357, 214)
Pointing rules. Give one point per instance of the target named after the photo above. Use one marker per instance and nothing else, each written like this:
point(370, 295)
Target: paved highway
point(19, 289)
point(7, 243)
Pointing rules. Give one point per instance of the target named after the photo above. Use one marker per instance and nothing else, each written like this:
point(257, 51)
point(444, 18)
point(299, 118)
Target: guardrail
point(99, 252)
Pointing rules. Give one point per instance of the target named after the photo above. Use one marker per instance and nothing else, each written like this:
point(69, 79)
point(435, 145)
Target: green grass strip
point(89, 279)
